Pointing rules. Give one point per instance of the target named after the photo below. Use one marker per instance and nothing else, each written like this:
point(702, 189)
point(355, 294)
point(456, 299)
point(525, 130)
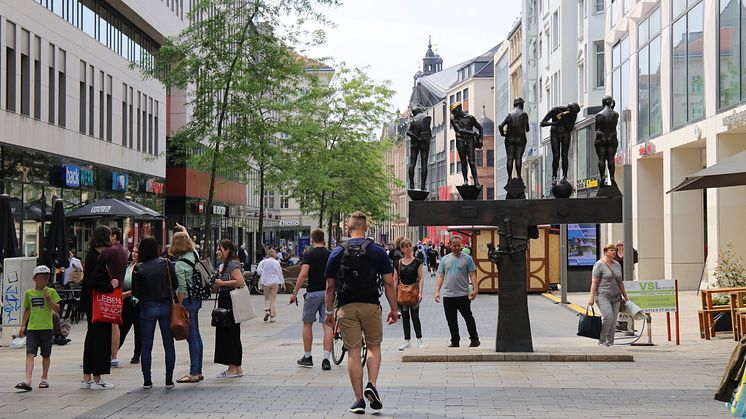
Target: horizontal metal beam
point(534, 211)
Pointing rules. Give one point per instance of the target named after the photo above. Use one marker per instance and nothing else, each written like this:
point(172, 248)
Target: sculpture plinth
point(417, 194)
point(608, 191)
point(562, 189)
point(515, 188)
point(469, 192)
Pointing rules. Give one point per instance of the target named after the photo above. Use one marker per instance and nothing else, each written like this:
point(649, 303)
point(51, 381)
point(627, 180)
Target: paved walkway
point(664, 381)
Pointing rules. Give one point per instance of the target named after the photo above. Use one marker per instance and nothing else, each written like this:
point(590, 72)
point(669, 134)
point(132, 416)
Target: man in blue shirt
point(352, 274)
point(457, 270)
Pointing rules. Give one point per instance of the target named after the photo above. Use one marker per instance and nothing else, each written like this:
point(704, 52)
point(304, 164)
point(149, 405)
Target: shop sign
point(218, 210)
point(153, 186)
point(289, 223)
point(101, 209)
point(119, 181)
point(653, 296)
point(71, 175)
point(591, 183)
point(646, 149)
point(736, 120)
point(200, 207)
point(86, 178)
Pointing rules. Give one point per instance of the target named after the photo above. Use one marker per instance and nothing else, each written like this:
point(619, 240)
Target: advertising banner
point(653, 296)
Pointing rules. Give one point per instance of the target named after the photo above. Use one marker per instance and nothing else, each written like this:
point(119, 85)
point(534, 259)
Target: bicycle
point(338, 346)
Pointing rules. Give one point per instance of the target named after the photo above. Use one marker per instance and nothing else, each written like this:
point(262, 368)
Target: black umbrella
point(111, 207)
point(57, 252)
point(729, 172)
point(8, 238)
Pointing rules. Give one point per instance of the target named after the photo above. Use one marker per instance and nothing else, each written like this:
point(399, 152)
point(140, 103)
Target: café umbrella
point(728, 172)
point(57, 250)
point(8, 237)
point(114, 208)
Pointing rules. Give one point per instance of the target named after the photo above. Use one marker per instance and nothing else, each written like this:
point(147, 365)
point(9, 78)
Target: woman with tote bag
point(228, 348)
point(607, 290)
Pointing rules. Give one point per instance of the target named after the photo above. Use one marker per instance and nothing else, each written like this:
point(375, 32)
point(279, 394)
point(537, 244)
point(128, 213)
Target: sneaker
point(326, 365)
point(407, 345)
point(453, 345)
point(420, 344)
point(85, 385)
point(306, 362)
point(147, 384)
point(371, 394)
point(609, 344)
point(102, 385)
point(115, 363)
point(475, 343)
point(135, 360)
point(272, 319)
point(169, 383)
point(358, 407)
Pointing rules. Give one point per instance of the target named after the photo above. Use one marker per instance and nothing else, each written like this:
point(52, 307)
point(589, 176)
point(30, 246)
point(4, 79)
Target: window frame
point(674, 20)
point(742, 67)
point(646, 44)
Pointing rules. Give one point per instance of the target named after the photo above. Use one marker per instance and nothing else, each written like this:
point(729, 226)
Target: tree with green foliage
point(230, 47)
point(337, 166)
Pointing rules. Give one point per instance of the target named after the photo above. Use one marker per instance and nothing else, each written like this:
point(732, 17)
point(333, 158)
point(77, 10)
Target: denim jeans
point(150, 313)
point(194, 338)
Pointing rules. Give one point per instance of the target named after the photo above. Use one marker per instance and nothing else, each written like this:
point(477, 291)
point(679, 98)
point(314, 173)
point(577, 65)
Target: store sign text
point(101, 209)
point(737, 119)
point(218, 210)
point(86, 178)
point(71, 174)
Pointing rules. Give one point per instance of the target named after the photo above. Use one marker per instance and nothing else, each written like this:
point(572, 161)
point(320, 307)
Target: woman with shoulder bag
point(409, 275)
point(130, 311)
point(607, 290)
point(153, 282)
point(228, 348)
point(97, 347)
point(182, 249)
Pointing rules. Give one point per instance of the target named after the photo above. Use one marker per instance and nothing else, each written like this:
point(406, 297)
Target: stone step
point(544, 355)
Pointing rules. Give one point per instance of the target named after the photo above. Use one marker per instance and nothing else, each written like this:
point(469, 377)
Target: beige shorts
point(358, 319)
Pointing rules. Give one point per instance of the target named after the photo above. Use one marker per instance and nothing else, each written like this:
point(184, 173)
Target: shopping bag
point(242, 308)
point(589, 325)
point(107, 307)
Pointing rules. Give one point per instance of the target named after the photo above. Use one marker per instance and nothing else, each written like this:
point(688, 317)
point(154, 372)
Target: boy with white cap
point(38, 304)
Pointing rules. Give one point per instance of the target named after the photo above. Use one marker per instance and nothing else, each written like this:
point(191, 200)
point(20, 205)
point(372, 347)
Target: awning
point(111, 207)
point(729, 172)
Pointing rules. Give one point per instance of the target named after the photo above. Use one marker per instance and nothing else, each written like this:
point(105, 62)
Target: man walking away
point(354, 273)
point(314, 263)
point(457, 271)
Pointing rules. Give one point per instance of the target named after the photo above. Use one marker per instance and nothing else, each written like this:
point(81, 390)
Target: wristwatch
point(329, 312)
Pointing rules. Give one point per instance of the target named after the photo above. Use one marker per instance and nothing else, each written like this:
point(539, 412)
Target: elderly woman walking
point(607, 290)
point(271, 279)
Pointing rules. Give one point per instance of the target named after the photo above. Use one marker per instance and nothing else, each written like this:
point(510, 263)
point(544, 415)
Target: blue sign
point(71, 174)
point(119, 181)
point(86, 177)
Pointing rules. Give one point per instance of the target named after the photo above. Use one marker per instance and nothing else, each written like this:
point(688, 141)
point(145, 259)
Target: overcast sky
point(390, 36)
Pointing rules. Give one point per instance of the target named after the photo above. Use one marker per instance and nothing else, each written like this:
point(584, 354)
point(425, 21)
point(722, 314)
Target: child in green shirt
point(38, 304)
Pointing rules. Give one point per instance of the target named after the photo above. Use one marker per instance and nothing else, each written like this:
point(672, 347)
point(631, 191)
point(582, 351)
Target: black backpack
point(197, 287)
point(357, 278)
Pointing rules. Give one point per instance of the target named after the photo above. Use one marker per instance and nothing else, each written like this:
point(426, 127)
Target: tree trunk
point(331, 223)
point(260, 227)
point(321, 210)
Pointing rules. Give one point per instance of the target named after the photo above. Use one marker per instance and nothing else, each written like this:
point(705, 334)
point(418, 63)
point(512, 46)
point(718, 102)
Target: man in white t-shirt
point(75, 265)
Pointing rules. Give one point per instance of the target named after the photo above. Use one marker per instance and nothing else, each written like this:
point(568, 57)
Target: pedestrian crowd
point(153, 288)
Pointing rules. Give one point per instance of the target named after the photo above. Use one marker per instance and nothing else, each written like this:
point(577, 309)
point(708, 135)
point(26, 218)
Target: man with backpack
point(355, 272)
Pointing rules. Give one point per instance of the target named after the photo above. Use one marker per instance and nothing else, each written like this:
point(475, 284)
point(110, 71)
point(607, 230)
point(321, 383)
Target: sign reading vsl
point(71, 174)
point(653, 296)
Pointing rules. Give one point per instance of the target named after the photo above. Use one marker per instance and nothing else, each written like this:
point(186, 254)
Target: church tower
point(432, 63)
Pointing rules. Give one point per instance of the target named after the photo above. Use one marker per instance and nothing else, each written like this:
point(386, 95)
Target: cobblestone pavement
point(664, 381)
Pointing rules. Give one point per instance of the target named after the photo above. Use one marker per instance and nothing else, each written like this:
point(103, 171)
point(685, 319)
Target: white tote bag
point(242, 308)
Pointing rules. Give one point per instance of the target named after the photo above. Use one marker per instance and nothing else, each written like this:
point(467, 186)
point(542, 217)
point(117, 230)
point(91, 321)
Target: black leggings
point(415, 320)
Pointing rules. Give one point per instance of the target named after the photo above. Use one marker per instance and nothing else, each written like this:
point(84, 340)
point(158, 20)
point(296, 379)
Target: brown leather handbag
point(179, 323)
point(407, 295)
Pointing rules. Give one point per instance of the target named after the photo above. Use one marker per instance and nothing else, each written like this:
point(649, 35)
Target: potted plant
point(729, 273)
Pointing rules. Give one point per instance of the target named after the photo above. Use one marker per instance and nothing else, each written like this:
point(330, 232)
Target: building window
point(687, 83)
point(490, 158)
point(649, 116)
point(612, 11)
point(466, 94)
point(83, 92)
point(478, 158)
point(581, 83)
point(452, 145)
point(10, 71)
point(620, 86)
point(732, 64)
point(25, 74)
point(452, 100)
point(555, 30)
point(598, 6)
point(101, 102)
point(490, 193)
point(458, 96)
point(91, 100)
point(109, 110)
point(61, 89)
point(124, 115)
point(453, 168)
point(37, 77)
point(284, 201)
point(52, 90)
point(600, 79)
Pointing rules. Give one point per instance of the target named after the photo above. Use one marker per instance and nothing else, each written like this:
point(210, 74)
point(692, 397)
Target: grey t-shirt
point(456, 271)
point(609, 277)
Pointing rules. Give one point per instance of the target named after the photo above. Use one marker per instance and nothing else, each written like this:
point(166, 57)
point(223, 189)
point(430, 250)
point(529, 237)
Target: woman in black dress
point(97, 347)
point(228, 349)
point(408, 271)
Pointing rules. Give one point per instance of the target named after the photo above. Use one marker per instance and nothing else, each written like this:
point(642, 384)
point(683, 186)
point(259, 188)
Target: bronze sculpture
point(606, 141)
point(563, 122)
point(468, 137)
point(419, 144)
point(514, 128)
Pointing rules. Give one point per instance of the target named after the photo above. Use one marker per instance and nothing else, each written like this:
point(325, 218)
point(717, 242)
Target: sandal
point(188, 379)
point(23, 386)
point(43, 384)
point(201, 377)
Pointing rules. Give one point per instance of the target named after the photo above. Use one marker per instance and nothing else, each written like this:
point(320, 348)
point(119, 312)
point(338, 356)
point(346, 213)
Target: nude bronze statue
point(606, 141)
point(562, 122)
point(468, 137)
point(514, 128)
point(419, 144)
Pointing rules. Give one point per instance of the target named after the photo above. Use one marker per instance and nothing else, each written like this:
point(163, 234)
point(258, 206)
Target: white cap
point(41, 270)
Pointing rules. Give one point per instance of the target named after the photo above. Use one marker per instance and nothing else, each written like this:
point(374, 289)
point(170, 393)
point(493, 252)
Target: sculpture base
point(417, 194)
point(469, 192)
point(608, 191)
point(515, 188)
point(562, 189)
